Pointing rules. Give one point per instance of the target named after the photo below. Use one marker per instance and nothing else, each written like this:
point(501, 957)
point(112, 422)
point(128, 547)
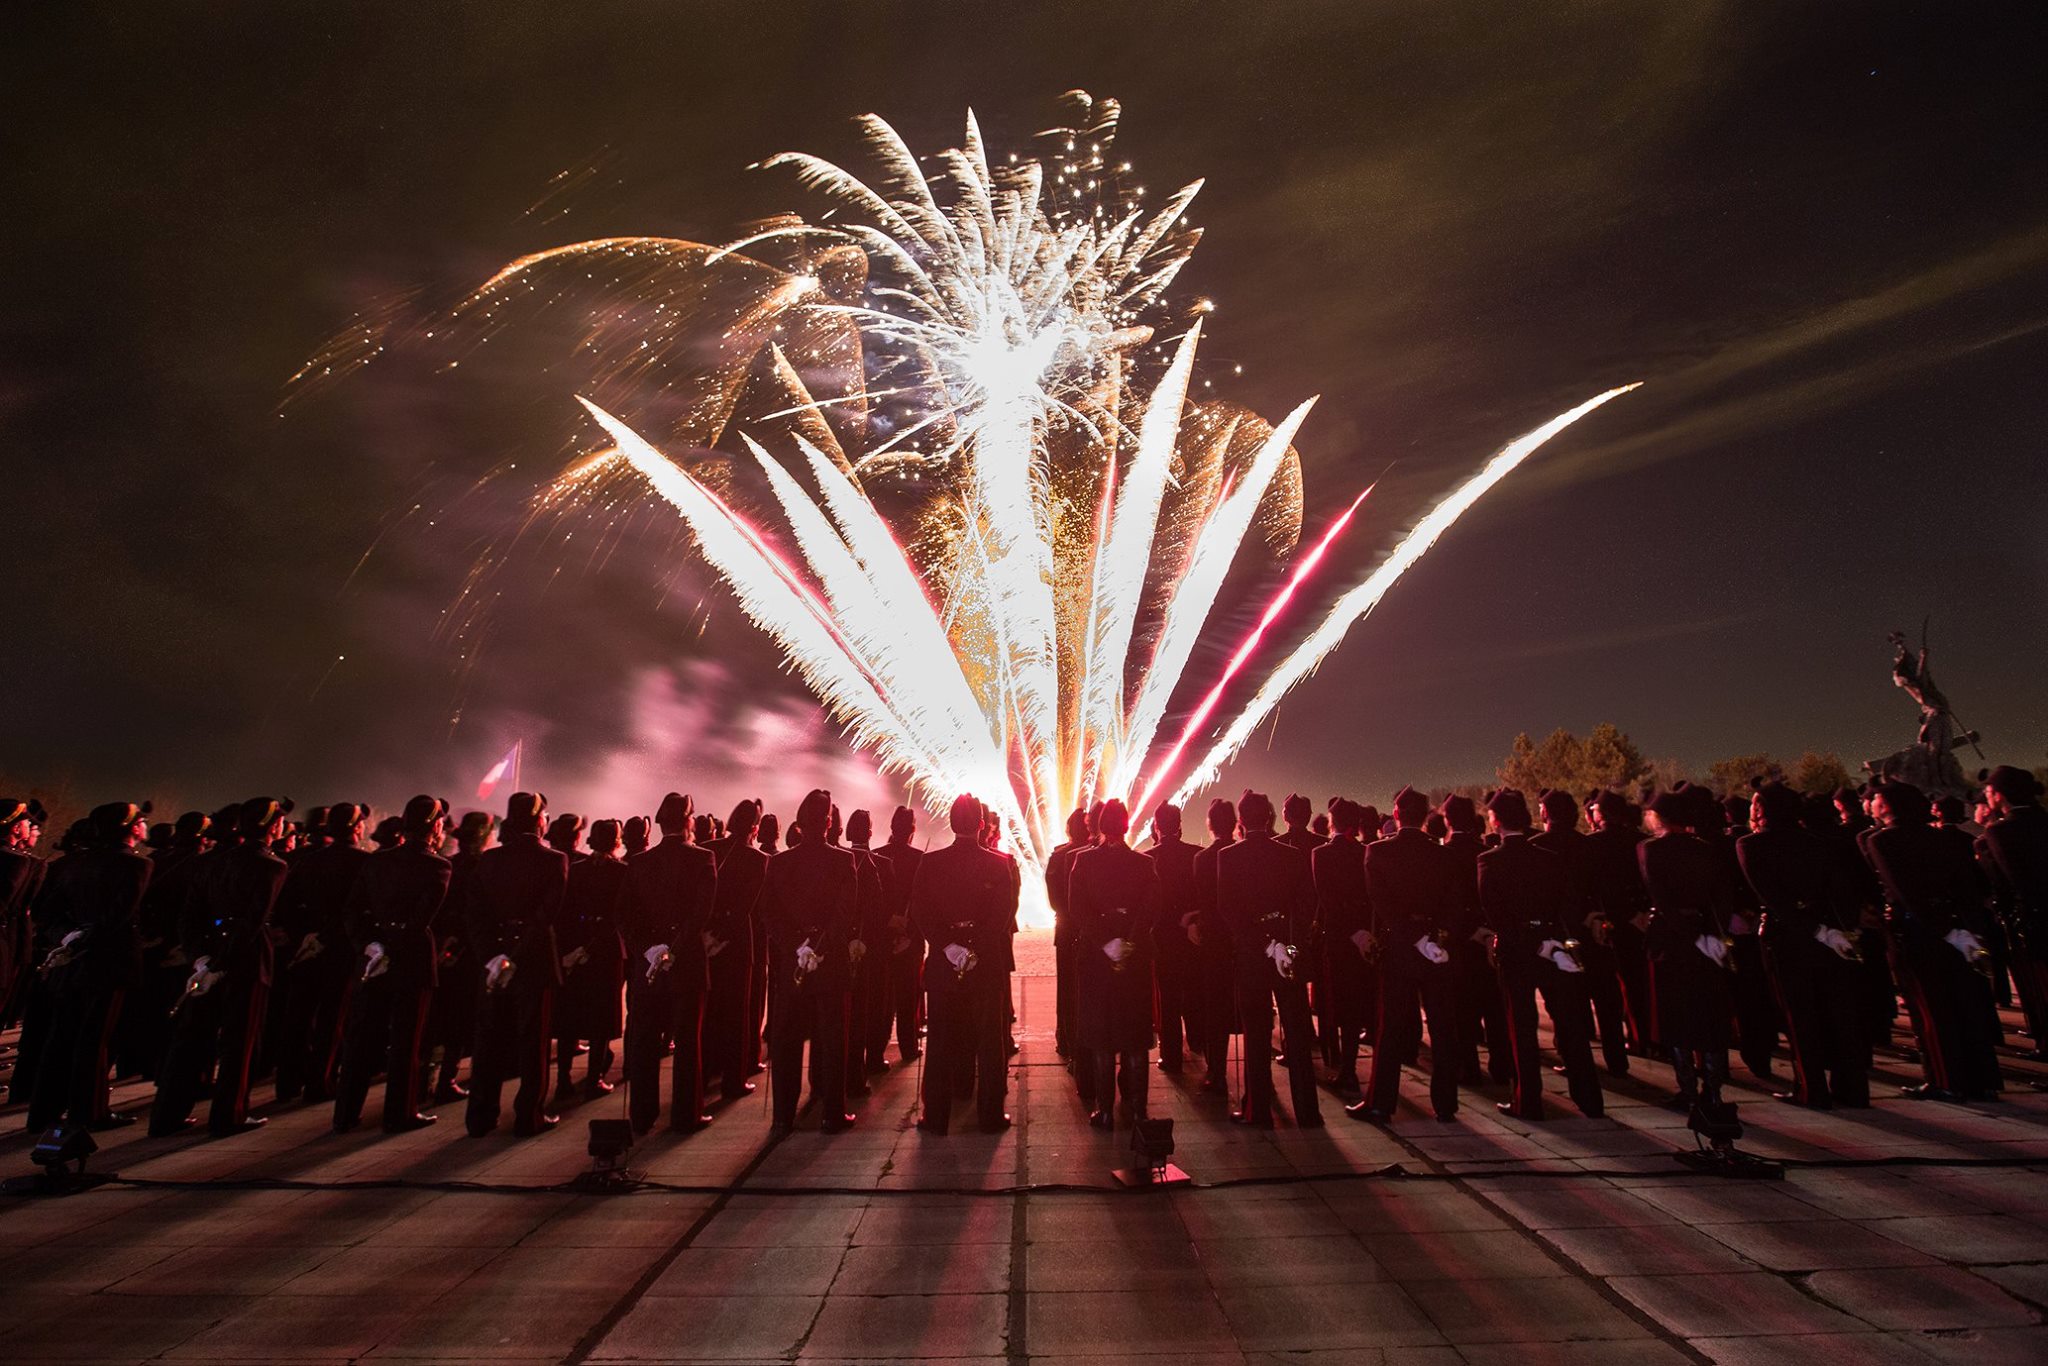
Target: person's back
point(515, 902)
point(1415, 885)
point(1264, 892)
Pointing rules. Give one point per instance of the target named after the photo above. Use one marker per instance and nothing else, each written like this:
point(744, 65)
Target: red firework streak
point(1250, 647)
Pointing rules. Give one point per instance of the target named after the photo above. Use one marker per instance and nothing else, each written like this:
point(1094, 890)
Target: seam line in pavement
point(1597, 1284)
point(598, 1331)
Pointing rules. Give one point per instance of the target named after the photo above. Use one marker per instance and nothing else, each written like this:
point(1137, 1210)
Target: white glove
point(807, 958)
point(856, 949)
point(1362, 941)
point(203, 976)
point(1738, 924)
point(659, 960)
point(1431, 950)
point(1712, 947)
point(375, 964)
point(957, 956)
point(72, 938)
point(1549, 947)
point(1836, 940)
point(498, 972)
point(309, 947)
point(1968, 945)
point(575, 957)
point(1115, 950)
point(1283, 960)
point(1564, 960)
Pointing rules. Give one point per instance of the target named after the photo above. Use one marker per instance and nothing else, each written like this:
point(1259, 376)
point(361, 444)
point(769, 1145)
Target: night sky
point(1819, 233)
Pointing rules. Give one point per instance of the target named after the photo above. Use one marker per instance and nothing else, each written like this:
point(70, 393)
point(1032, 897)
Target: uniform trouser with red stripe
point(386, 1021)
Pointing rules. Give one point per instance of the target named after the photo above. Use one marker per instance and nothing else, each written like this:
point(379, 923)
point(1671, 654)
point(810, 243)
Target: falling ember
point(1008, 509)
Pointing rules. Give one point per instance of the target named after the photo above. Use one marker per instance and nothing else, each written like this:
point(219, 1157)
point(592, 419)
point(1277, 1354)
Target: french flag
point(508, 764)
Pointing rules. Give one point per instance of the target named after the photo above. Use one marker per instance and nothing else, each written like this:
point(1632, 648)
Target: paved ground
point(1573, 1240)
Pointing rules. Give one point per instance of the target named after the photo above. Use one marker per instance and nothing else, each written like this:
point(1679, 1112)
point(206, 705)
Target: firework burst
point(997, 520)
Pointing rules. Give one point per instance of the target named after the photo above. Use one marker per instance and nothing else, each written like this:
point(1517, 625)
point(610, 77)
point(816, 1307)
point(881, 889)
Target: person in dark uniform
point(870, 982)
point(635, 836)
point(905, 949)
point(1482, 1016)
point(963, 903)
point(21, 876)
point(1624, 910)
point(1215, 968)
point(459, 973)
point(225, 932)
point(514, 921)
point(2013, 851)
point(1300, 833)
point(1586, 923)
point(389, 922)
point(1809, 932)
point(736, 936)
point(87, 906)
point(1059, 876)
point(810, 904)
point(670, 893)
point(1690, 902)
point(1265, 893)
point(1176, 961)
point(1526, 905)
point(1936, 898)
point(1416, 888)
point(1757, 1022)
point(593, 964)
point(1344, 919)
point(1115, 904)
point(317, 974)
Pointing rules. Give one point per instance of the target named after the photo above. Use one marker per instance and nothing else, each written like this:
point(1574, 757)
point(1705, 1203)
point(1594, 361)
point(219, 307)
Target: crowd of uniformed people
point(530, 953)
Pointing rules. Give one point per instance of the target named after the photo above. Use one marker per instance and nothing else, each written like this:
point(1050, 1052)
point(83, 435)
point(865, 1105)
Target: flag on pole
point(498, 771)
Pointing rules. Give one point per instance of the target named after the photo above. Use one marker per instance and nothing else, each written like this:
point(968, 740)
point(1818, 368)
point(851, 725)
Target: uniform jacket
point(228, 906)
point(1342, 905)
point(1524, 898)
point(1264, 892)
point(1797, 882)
point(1928, 877)
point(97, 892)
point(736, 905)
point(316, 892)
point(394, 901)
point(591, 912)
point(1687, 883)
point(1115, 896)
point(966, 895)
point(1175, 865)
point(1417, 889)
point(515, 907)
point(811, 894)
point(671, 891)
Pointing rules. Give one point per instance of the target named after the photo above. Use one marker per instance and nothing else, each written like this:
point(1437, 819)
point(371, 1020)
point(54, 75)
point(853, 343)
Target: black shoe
point(741, 1092)
point(701, 1123)
point(450, 1093)
point(1365, 1113)
point(598, 1086)
point(539, 1125)
point(1793, 1098)
point(861, 1091)
point(1100, 1120)
point(1171, 1069)
point(997, 1127)
point(1507, 1107)
point(249, 1125)
point(1214, 1086)
point(405, 1126)
point(347, 1126)
point(839, 1125)
point(1447, 1116)
point(781, 1128)
point(1251, 1121)
point(1926, 1090)
point(113, 1120)
point(927, 1127)
point(912, 1056)
point(878, 1066)
point(1309, 1121)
